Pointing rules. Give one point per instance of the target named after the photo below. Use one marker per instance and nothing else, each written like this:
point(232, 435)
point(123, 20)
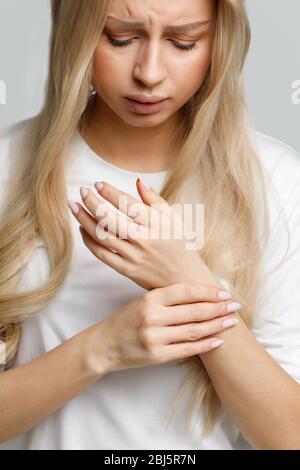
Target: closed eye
point(119, 43)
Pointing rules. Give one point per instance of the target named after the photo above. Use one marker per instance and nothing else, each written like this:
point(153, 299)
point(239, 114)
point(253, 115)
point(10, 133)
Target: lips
point(145, 108)
point(146, 99)
point(145, 102)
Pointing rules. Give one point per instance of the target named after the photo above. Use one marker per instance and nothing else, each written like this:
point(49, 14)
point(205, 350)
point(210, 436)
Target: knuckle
point(146, 306)
point(149, 319)
point(193, 312)
point(150, 311)
point(146, 339)
point(135, 216)
point(190, 290)
point(192, 332)
point(148, 297)
point(147, 316)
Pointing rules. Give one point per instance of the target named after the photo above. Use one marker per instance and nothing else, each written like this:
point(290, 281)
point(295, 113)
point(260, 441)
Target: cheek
point(107, 69)
point(191, 76)
point(190, 71)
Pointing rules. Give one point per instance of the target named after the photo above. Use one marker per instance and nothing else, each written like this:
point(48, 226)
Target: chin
point(149, 121)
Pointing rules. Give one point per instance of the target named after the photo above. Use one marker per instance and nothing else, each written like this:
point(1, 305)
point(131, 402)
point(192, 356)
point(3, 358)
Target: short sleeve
point(11, 138)
point(6, 137)
point(277, 319)
point(37, 268)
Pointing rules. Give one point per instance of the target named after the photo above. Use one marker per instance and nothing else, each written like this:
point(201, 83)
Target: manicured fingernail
point(224, 295)
point(230, 322)
point(144, 181)
point(84, 192)
point(217, 343)
point(73, 206)
point(99, 186)
point(233, 307)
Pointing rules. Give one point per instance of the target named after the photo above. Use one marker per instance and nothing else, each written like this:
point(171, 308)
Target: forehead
point(162, 12)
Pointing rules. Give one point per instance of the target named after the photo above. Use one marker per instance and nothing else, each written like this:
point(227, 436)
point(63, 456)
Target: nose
point(149, 67)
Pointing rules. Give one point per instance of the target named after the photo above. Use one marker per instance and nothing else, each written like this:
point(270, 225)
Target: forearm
point(263, 400)
point(31, 392)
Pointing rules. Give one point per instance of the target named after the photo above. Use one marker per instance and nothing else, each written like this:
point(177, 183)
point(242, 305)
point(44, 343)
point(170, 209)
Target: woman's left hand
point(127, 235)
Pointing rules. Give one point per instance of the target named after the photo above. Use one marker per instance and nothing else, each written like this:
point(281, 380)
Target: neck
point(138, 149)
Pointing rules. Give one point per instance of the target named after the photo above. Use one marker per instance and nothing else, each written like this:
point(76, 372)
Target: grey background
point(272, 65)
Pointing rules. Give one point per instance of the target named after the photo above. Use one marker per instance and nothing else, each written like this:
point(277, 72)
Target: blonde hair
point(217, 151)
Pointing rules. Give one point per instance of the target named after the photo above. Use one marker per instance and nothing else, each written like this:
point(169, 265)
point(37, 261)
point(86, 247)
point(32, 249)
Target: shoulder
point(11, 139)
point(10, 143)
point(277, 321)
point(269, 145)
point(281, 169)
point(11, 132)
point(279, 160)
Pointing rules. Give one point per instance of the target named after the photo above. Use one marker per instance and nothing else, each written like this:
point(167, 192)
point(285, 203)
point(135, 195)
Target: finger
point(125, 203)
point(151, 197)
point(116, 223)
point(114, 260)
point(182, 350)
point(119, 222)
point(84, 218)
point(92, 227)
point(192, 331)
point(112, 242)
point(186, 292)
point(195, 312)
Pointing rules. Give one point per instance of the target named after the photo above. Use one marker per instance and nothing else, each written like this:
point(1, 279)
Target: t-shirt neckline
point(89, 151)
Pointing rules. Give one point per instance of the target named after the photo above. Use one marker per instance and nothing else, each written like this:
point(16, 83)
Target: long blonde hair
point(217, 149)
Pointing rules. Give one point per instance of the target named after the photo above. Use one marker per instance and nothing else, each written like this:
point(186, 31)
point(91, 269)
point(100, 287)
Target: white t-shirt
point(126, 409)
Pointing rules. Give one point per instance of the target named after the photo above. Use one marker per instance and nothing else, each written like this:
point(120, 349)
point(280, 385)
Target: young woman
point(122, 342)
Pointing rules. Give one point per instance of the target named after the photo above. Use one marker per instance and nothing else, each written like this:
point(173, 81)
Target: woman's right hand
point(164, 324)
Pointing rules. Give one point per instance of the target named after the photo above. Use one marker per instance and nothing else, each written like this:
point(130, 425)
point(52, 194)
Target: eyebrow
point(171, 28)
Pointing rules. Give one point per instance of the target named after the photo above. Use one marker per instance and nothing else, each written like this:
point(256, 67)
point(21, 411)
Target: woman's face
point(154, 59)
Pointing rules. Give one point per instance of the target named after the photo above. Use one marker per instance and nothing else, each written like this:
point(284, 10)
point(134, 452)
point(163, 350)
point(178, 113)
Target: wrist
point(96, 362)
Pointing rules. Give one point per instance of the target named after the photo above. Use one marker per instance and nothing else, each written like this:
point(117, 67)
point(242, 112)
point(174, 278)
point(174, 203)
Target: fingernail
point(73, 206)
point(224, 295)
point(99, 186)
point(217, 343)
point(84, 192)
point(230, 322)
point(144, 181)
point(233, 307)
